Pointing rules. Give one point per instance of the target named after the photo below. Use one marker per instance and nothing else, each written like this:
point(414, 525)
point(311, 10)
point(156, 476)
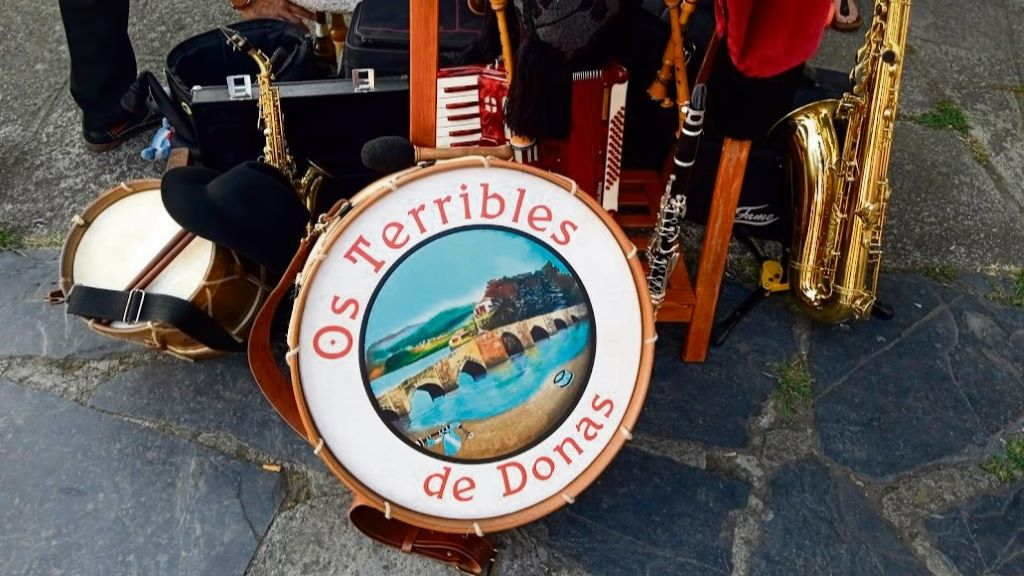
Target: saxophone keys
point(870, 214)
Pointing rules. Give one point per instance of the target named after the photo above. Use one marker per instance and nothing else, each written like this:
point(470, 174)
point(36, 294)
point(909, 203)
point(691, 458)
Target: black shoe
point(136, 118)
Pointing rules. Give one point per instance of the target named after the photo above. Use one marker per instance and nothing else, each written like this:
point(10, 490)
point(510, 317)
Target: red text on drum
point(489, 208)
point(333, 342)
point(515, 476)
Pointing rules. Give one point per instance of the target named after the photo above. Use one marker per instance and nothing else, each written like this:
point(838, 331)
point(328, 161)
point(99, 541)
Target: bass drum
point(121, 231)
point(470, 346)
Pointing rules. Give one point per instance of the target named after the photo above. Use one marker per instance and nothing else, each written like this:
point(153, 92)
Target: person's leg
point(847, 15)
point(103, 72)
point(102, 59)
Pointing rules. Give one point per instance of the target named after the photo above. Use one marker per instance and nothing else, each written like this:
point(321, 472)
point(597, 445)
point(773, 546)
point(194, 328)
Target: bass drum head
point(124, 234)
point(474, 342)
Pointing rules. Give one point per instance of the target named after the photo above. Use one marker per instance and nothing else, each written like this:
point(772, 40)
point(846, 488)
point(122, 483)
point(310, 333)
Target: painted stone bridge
point(476, 355)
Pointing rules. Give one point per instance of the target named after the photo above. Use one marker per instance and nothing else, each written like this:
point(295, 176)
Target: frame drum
point(117, 235)
point(471, 344)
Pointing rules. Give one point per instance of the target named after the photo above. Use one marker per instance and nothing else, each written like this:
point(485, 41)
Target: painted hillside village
point(457, 382)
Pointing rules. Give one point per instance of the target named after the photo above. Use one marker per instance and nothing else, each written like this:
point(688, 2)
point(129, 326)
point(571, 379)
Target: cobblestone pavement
point(120, 461)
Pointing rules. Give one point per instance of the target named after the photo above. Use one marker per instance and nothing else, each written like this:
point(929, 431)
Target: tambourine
point(470, 347)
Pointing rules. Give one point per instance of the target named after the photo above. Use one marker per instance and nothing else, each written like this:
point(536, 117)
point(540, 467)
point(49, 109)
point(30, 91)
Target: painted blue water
point(392, 379)
point(504, 386)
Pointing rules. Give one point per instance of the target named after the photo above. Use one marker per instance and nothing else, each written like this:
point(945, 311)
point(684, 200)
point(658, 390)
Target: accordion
point(470, 112)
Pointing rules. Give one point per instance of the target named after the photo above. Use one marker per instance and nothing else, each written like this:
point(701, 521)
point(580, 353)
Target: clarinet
point(663, 250)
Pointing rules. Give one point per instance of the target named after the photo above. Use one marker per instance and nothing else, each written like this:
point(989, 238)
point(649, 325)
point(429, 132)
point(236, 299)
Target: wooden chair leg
point(424, 17)
point(715, 251)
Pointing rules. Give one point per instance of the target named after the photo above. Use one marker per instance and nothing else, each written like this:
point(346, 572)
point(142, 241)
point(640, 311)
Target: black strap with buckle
point(135, 306)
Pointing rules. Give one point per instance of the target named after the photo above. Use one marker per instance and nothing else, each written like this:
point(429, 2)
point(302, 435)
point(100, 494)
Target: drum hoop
point(89, 215)
point(361, 202)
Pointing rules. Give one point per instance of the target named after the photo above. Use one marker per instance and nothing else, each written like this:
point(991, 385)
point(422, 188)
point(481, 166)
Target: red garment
point(768, 37)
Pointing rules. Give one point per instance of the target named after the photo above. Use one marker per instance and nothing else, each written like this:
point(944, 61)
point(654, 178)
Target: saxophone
point(840, 186)
point(275, 147)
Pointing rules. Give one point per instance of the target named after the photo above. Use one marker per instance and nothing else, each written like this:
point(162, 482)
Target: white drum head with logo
point(473, 344)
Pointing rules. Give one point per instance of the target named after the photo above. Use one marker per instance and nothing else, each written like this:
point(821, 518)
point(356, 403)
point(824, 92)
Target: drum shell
point(232, 290)
point(365, 496)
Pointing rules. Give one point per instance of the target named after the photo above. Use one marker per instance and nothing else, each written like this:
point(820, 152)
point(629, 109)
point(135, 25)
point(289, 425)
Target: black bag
point(206, 60)
point(378, 37)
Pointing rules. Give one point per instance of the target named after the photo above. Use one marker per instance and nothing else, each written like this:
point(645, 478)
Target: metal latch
point(239, 87)
point(363, 79)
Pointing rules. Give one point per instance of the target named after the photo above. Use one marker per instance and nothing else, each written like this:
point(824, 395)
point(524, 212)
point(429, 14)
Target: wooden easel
point(684, 303)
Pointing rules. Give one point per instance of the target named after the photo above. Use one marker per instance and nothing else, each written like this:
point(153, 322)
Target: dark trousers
point(102, 59)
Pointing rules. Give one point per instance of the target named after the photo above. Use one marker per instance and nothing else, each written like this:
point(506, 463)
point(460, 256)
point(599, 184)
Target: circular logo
point(483, 360)
point(468, 343)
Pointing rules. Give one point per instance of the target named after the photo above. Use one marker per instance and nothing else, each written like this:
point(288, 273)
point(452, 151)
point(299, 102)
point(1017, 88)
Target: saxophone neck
point(240, 44)
point(266, 71)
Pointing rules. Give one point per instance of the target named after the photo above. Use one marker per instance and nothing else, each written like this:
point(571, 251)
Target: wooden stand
point(639, 198)
point(424, 23)
point(715, 251)
point(683, 303)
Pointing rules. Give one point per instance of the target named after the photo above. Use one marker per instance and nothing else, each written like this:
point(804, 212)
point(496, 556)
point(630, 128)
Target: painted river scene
point(478, 344)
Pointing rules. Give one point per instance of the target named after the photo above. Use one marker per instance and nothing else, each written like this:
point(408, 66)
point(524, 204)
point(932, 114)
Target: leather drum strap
point(469, 553)
point(275, 384)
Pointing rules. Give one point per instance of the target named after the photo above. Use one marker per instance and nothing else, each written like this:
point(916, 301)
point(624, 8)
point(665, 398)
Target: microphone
point(388, 154)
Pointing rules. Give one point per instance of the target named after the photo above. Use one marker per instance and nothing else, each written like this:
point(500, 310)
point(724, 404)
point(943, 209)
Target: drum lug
point(327, 218)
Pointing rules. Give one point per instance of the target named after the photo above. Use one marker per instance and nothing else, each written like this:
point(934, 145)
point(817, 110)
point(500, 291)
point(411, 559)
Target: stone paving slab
point(314, 538)
point(945, 208)
point(30, 326)
point(971, 58)
point(984, 536)
point(649, 515)
point(645, 515)
point(714, 401)
point(88, 494)
point(966, 380)
point(213, 397)
point(822, 524)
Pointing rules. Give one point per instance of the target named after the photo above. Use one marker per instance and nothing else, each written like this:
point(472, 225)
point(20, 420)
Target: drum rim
point(361, 492)
point(88, 216)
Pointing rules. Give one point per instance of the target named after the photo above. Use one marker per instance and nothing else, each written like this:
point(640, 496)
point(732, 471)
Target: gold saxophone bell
point(840, 186)
point(309, 186)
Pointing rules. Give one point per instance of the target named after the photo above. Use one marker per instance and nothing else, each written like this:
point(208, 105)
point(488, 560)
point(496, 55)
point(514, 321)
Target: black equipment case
point(378, 37)
point(326, 121)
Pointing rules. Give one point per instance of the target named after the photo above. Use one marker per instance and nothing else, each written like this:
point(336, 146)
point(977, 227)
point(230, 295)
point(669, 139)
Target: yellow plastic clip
point(771, 276)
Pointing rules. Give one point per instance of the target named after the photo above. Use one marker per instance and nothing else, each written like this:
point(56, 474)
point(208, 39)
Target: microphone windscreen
point(388, 154)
